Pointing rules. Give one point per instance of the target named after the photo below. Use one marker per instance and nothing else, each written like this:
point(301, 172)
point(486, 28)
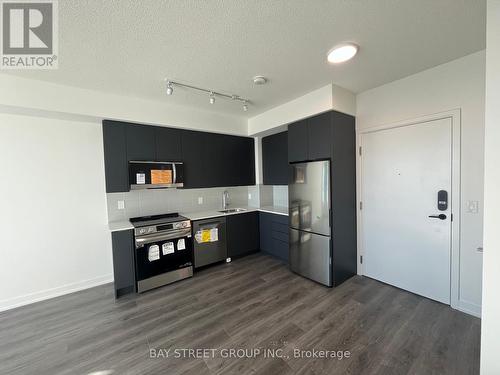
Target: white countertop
point(115, 226)
point(199, 215)
point(278, 210)
point(215, 213)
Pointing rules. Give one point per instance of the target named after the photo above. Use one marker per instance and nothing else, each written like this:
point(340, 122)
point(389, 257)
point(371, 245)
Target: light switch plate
point(249, 196)
point(200, 200)
point(472, 207)
point(121, 205)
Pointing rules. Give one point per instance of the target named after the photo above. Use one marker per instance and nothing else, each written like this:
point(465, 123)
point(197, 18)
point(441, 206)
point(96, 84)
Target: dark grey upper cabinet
point(242, 233)
point(115, 156)
point(210, 159)
point(141, 142)
point(275, 159)
point(319, 136)
point(311, 139)
point(153, 143)
point(193, 155)
point(242, 165)
point(214, 160)
point(231, 154)
point(168, 144)
point(297, 141)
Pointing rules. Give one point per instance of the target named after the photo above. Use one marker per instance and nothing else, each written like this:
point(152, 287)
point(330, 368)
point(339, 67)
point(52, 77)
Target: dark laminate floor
point(254, 302)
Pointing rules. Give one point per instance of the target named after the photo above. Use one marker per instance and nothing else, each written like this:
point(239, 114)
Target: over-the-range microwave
point(155, 175)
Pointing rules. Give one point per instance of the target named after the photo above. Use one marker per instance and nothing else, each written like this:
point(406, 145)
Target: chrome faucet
point(225, 199)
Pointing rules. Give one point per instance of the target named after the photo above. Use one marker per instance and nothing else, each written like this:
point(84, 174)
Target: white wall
point(490, 329)
point(21, 95)
point(323, 99)
point(53, 223)
point(57, 208)
point(456, 85)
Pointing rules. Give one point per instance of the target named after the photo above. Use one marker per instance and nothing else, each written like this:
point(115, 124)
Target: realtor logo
point(29, 34)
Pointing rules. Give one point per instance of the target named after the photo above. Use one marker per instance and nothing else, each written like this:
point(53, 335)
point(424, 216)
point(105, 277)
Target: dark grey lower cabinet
point(242, 234)
point(123, 262)
point(274, 235)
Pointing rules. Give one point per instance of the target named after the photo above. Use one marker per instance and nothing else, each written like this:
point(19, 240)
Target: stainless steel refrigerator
point(309, 218)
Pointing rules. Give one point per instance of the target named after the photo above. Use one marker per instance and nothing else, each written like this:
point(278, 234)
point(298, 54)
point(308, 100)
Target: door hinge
point(360, 151)
point(361, 259)
point(360, 205)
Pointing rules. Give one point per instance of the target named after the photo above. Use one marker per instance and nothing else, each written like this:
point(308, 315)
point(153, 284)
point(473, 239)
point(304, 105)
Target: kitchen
point(286, 188)
point(135, 155)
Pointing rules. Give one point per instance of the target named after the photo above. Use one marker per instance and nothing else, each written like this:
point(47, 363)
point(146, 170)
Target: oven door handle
point(179, 233)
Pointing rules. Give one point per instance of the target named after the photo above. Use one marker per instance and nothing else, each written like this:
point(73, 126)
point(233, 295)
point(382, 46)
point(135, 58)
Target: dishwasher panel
point(209, 241)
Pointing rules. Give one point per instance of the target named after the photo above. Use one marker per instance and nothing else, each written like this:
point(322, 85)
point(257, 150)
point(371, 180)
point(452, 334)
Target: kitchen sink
point(232, 210)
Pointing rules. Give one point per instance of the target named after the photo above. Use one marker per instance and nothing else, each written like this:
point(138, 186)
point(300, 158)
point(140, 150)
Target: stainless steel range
point(163, 250)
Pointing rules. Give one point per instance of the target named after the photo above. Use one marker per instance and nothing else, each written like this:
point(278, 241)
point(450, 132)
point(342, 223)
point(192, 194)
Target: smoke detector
point(259, 80)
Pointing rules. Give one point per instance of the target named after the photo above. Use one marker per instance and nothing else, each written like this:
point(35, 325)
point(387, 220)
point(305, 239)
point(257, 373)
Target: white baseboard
point(469, 308)
point(27, 299)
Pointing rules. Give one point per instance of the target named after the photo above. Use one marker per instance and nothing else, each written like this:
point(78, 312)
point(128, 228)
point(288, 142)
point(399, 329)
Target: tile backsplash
point(151, 202)
point(280, 195)
point(260, 195)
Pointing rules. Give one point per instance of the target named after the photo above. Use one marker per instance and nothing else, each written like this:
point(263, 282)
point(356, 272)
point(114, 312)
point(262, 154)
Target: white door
point(402, 171)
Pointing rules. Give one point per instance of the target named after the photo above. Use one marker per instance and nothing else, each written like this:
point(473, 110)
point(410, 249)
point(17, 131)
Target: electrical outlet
point(472, 207)
point(200, 200)
point(249, 196)
point(121, 205)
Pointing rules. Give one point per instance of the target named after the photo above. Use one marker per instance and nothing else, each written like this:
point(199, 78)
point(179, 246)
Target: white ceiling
point(128, 46)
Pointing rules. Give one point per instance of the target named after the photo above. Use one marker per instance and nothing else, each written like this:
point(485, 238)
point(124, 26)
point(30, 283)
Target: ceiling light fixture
point(212, 94)
point(342, 52)
point(170, 89)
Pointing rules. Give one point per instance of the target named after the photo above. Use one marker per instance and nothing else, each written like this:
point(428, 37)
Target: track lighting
point(212, 94)
point(170, 89)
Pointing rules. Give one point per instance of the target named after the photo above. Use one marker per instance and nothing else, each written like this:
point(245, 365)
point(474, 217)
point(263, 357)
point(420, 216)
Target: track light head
point(212, 98)
point(170, 89)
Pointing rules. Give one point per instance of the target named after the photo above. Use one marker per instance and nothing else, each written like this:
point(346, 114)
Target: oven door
point(163, 255)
